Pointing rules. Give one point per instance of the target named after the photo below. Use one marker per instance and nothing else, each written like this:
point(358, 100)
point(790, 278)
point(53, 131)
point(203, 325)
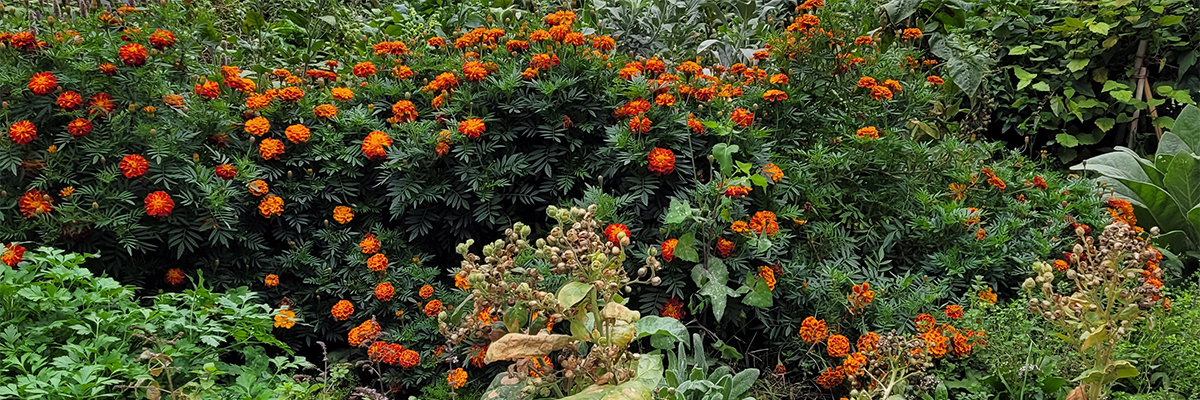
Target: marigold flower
point(270, 149)
point(343, 214)
point(862, 295)
point(325, 111)
point(161, 39)
point(291, 94)
point(35, 202)
point(435, 42)
point(285, 319)
point(22, 132)
point(132, 54)
point(604, 43)
point(866, 342)
point(377, 262)
point(404, 111)
point(864, 41)
point(937, 343)
point(460, 280)
point(409, 359)
point(12, 255)
point(271, 280)
point(257, 187)
point(23, 40)
point(910, 33)
point(768, 275)
point(980, 234)
point(838, 346)
point(369, 244)
point(444, 81)
point(43, 83)
point(881, 92)
point(740, 226)
point(270, 206)
point(724, 247)
point(384, 291)
point(208, 89)
point(66, 192)
point(831, 377)
point(813, 330)
point(539, 35)
point(934, 79)
point(472, 127)
point(108, 69)
point(668, 249)
point(474, 71)
point(174, 276)
point(954, 311)
point(258, 126)
point(101, 102)
point(226, 171)
point(1061, 265)
point(892, 85)
point(742, 117)
point(529, 73)
point(773, 171)
point(925, 322)
point(764, 222)
point(363, 69)
point(774, 95)
point(737, 191)
point(665, 100)
point(341, 94)
point(689, 67)
point(342, 310)
point(373, 145)
point(69, 101)
point(425, 292)
point(433, 307)
point(612, 233)
point(402, 72)
point(673, 308)
point(363, 332)
point(696, 125)
point(987, 296)
point(133, 166)
point(457, 378)
point(639, 124)
point(662, 161)
point(962, 347)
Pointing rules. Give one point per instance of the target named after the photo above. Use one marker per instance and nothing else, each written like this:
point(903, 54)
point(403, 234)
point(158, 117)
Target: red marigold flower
point(813, 330)
point(291, 94)
point(604, 43)
point(668, 249)
point(325, 111)
point(79, 127)
point(639, 124)
point(774, 95)
point(665, 100)
point(1039, 183)
point(925, 322)
point(270, 206)
point(343, 214)
point(22, 132)
point(409, 359)
point(377, 262)
point(934, 79)
point(270, 149)
point(161, 39)
point(12, 255)
point(764, 222)
point(742, 117)
point(226, 171)
point(159, 204)
point(369, 244)
point(954, 311)
point(612, 233)
point(342, 310)
point(271, 280)
point(373, 145)
point(881, 92)
point(831, 377)
point(474, 71)
point(672, 309)
point(364, 69)
point(655, 65)
point(696, 125)
point(43, 83)
point(867, 341)
point(174, 276)
point(405, 111)
point(425, 292)
point(23, 40)
point(864, 41)
point(133, 166)
point(35, 202)
point(779, 79)
point(724, 247)
point(910, 33)
point(737, 191)
point(868, 132)
point(838, 346)
point(208, 89)
point(433, 307)
point(101, 102)
point(471, 127)
point(662, 161)
point(384, 291)
point(258, 126)
point(132, 54)
point(69, 101)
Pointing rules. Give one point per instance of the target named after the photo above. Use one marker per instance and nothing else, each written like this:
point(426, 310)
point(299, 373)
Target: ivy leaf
point(760, 294)
point(1025, 77)
point(686, 249)
point(712, 281)
point(679, 211)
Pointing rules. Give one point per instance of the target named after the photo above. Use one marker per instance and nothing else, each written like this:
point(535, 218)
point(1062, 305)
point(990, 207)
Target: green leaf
point(1018, 50)
point(1182, 180)
point(1041, 86)
point(1122, 95)
point(1187, 126)
point(1078, 64)
point(329, 19)
point(1093, 337)
point(760, 293)
point(1099, 28)
point(1168, 20)
point(678, 212)
point(573, 292)
point(1024, 77)
point(664, 332)
point(1105, 123)
point(712, 281)
point(1111, 85)
point(724, 155)
point(1066, 139)
point(1171, 144)
point(898, 10)
point(686, 248)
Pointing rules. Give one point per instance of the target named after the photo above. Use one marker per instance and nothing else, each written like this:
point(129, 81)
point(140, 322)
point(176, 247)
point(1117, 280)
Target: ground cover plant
point(330, 159)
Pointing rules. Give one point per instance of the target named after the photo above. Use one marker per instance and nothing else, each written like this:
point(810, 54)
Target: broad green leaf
point(650, 369)
point(898, 10)
point(1116, 164)
point(760, 294)
point(1187, 126)
point(713, 282)
point(1066, 139)
point(573, 292)
point(1164, 209)
point(1041, 86)
point(1182, 180)
point(632, 390)
point(1099, 28)
point(664, 332)
point(1018, 50)
point(679, 211)
point(742, 382)
point(1093, 337)
point(1122, 95)
point(1105, 123)
point(1078, 64)
point(1168, 20)
point(1112, 85)
point(724, 155)
point(1024, 77)
point(686, 248)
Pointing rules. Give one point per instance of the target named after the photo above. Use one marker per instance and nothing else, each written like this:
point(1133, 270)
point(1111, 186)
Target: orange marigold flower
point(174, 276)
point(384, 291)
point(764, 222)
point(724, 247)
point(369, 244)
point(208, 89)
point(1061, 265)
point(291, 94)
point(404, 111)
point(742, 117)
point(893, 85)
point(831, 377)
point(779, 79)
point(639, 124)
point(325, 111)
point(132, 54)
point(655, 65)
point(435, 42)
point(868, 132)
point(425, 292)
point(559, 32)
point(363, 69)
point(774, 95)
point(673, 308)
point(433, 307)
point(457, 378)
point(271, 280)
point(69, 101)
point(516, 45)
point(409, 359)
point(226, 171)
point(66, 192)
point(259, 102)
point(962, 347)
point(864, 41)
point(867, 82)
point(910, 33)
point(474, 71)
point(270, 149)
point(689, 67)
point(737, 191)
point(740, 226)
point(373, 145)
point(23, 40)
point(297, 133)
point(696, 125)
point(377, 262)
point(12, 255)
point(22, 132)
point(133, 166)
point(853, 364)
point(257, 187)
point(270, 206)
point(575, 39)
point(341, 94)
point(101, 102)
point(980, 234)
point(934, 79)
point(43, 83)
point(838, 346)
point(925, 322)
point(529, 73)
point(662, 161)
point(161, 39)
point(997, 182)
point(937, 343)
point(813, 330)
point(472, 127)
point(773, 171)
point(862, 295)
point(665, 100)
point(258, 126)
point(954, 311)
point(402, 72)
point(987, 296)
point(460, 280)
point(613, 232)
point(342, 214)
point(768, 275)
point(867, 341)
point(668, 249)
point(35, 202)
point(365, 331)
point(342, 310)
point(881, 92)
point(604, 43)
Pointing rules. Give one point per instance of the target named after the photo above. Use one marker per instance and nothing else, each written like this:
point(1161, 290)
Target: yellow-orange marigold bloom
point(1061, 265)
point(665, 100)
point(910, 33)
point(69, 101)
point(22, 132)
point(363, 69)
point(285, 319)
point(270, 149)
point(405, 111)
point(774, 95)
point(893, 85)
point(740, 226)
point(862, 295)
point(270, 206)
point(639, 124)
point(457, 378)
point(668, 249)
point(696, 125)
point(377, 262)
point(831, 377)
point(342, 310)
point(132, 54)
point(291, 94)
point(133, 166)
point(409, 358)
point(954, 311)
point(764, 222)
point(174, 276)
point(742, 117)
point(853, 364)
point(838, 346)
point(472, 127)
point(961, 345)
point(161, 39)
point(369, 244)
point(325, 111)
point(689, 67)
point(604, 43)
point(425, 292)
point(35, 202)
point(768, 275)
point(662, 161)
point(257, 187)
point(342, 94)
point(363, 332)
point(297, 133)
point(384, 291)
point(881, 92)
point(343, 214)
point(433, 307)
point(867, 341)
point(373, 145)
point(779, 79)
point(773, 171)
point(813, 330)
point(474, 71)
point(868, 132)
point(43, 83)
point(66, 192)
point(867, 82)
point(258, 126)
point(402, 72)
point(271, 280)
point(258, 102)
point(987, 296)
point(934, 79)
point(460, 280)
point(208, 89)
